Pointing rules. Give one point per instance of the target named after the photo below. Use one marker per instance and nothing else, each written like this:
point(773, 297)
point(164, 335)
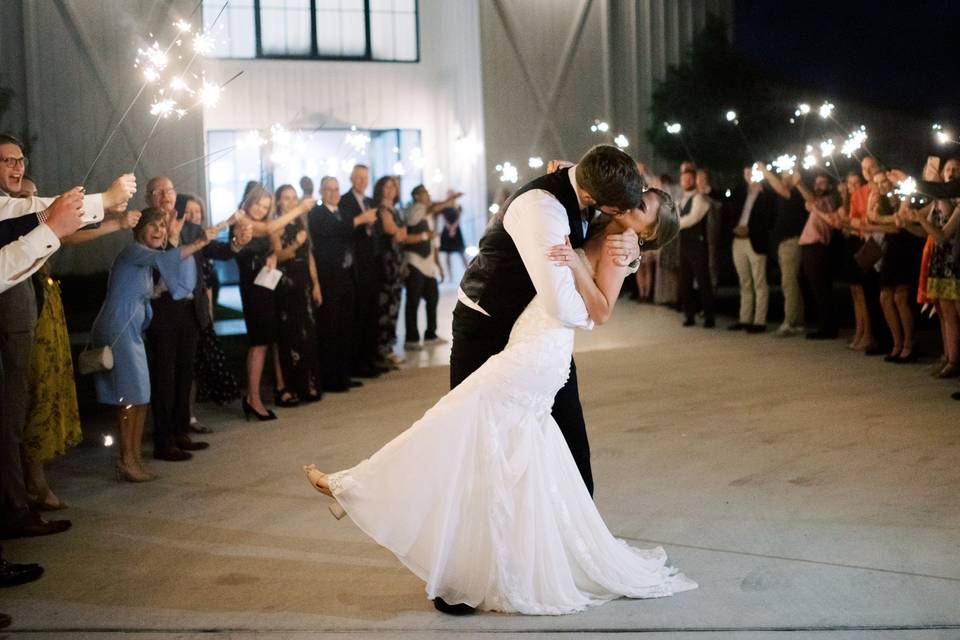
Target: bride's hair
point(668, 221)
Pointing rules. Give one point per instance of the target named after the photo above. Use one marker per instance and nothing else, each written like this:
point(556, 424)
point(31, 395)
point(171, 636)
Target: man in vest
point(694, 251)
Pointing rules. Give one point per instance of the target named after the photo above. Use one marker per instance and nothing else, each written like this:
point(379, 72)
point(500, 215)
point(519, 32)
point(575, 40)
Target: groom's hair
point(611, 177)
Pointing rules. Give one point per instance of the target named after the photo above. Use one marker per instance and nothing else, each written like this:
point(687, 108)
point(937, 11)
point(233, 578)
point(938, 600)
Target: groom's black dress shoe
point(459, 609)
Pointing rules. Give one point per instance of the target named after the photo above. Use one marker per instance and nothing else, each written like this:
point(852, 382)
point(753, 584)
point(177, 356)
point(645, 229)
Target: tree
point(712, 79)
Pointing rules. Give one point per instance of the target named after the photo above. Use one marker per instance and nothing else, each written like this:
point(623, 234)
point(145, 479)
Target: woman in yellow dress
point(53, 418)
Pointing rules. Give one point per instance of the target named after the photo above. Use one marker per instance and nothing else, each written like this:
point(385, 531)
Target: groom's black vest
point(496, 279)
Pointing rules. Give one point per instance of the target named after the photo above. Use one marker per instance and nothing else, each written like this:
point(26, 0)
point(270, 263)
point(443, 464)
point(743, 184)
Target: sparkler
point(906, 188)
point(826, 110)
point(621, 141)
point(943, 136)
point(802, 109)
point(494, 208)
point(731, 116)
point(673, 128)
point(827, 148)
point(508, 172)
point(535, 162)
point(756, 174)
point(785, 163)
point(809, 158)
point(854, 141)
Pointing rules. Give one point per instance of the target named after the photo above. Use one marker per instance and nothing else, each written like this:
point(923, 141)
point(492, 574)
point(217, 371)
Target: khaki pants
point(752, 272)
point(788, 254)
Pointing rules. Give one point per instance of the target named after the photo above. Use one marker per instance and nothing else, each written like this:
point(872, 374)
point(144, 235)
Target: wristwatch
point(635, 265)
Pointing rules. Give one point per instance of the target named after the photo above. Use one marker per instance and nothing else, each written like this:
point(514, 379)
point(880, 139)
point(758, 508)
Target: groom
point(512, 267)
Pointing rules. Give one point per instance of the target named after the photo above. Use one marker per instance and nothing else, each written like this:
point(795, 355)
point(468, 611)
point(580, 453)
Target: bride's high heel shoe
point(315, 476)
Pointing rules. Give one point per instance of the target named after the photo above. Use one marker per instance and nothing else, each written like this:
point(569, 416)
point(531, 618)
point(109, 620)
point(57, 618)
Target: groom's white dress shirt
point(537, 221)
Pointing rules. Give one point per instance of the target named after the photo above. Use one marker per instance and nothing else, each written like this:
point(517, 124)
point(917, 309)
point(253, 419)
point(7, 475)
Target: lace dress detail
point(482, 499)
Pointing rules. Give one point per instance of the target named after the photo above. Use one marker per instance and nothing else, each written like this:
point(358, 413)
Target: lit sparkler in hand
point(854, 141)
point(826, 110)
point(785, 163)
point(756, 174)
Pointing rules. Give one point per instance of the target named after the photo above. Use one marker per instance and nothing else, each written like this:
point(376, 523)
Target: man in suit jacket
point(750, 212)
point(332, 238)
point(366, 264)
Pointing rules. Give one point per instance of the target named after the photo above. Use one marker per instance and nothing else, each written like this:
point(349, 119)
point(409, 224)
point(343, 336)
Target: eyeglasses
point(12, 163)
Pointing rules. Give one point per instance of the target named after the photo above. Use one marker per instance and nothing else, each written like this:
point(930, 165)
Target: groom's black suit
point(498, 282)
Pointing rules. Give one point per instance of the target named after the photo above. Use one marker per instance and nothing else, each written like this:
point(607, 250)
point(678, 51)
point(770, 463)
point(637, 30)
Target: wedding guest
point(942, 286)
point(423, 265)
point(392, 233)
point(332, 239)
point(259, 302)
point(666, 283)
point(751, 207)
point(899, 270)
point(213, 379)
point(53, 416)
point(855, 207)
point(821, 204)
point(297, 294)
point(706, 188)
point(789, 220)
point(367, 249)
point(306, 187)
point(451, 235)
point(694, 252)
point(30, 231)
point(124, 318)
point(172, 338)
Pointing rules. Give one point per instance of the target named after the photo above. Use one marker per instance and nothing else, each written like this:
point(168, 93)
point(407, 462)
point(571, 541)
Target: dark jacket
point(332, 237)
point(760, 224)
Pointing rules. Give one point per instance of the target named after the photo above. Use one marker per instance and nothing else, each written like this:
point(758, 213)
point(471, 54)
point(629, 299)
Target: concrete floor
point(812, 492)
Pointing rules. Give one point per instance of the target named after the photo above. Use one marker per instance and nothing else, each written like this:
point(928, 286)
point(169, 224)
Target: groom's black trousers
point(477, 337)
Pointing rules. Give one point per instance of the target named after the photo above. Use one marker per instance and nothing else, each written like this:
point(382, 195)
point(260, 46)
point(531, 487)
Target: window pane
point(340, 28)
point(393, 29)
point(233, 33)
point(285, 27)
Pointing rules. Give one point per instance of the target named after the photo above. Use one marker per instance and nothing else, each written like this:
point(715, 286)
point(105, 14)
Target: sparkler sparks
point(731, 116)
point(621, 141)
point(508, 172)
point(673, 128)
point(826, 110)
point(204, 43)
point(803, 109)
point(210, 94)
point(907, 188)
point(785, 163)
point(163, 108)
point(535, 162)
point(854, 142)
point(756, 175)
point(827, 147)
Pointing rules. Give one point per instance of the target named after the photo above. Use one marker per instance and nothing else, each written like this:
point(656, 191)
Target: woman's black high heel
point(291, 399)
point(247, 410)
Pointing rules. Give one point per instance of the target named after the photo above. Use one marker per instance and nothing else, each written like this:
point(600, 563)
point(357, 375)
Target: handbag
point(869, 254)
point(99, 358)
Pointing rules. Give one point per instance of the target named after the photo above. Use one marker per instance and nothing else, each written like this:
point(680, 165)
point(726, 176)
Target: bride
point(481, 497)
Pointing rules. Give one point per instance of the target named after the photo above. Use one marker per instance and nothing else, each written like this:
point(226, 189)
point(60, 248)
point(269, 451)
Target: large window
point(376, 30)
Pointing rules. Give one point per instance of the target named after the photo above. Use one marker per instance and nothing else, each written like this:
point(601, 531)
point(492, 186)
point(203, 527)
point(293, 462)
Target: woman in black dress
point(392, 231)
point(298, 373)
point(451, 236)
point(259, 303)
point(213, 379)
point(899, 269)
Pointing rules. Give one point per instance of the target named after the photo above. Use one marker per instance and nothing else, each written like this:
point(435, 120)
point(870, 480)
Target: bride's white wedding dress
point(482, 499)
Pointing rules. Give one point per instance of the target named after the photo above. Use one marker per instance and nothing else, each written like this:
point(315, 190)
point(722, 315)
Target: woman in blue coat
point(137, 273)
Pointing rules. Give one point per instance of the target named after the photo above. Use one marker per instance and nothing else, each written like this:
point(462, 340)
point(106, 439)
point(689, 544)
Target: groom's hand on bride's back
point(624, 247)
point(555, 165)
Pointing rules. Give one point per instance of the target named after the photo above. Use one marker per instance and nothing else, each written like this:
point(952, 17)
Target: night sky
point(901, 55)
